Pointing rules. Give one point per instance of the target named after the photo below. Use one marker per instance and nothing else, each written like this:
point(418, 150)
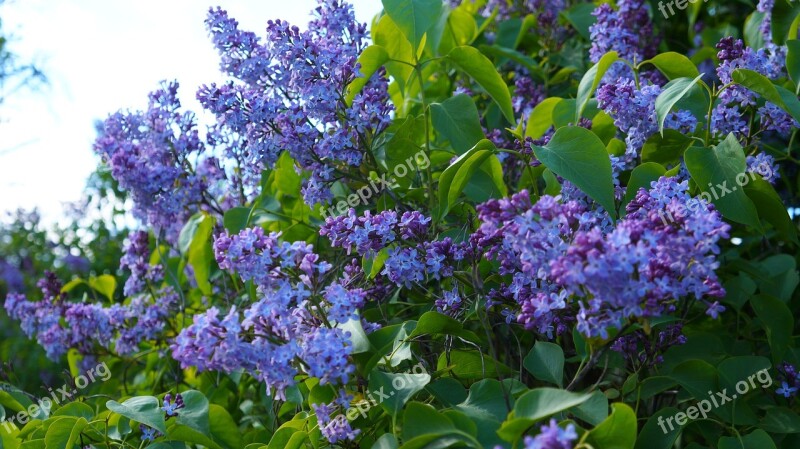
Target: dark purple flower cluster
point(290, 96)
point(640, 349)
point(136, 259)
point(59, 325)
point(171, 407)
point(790, 380)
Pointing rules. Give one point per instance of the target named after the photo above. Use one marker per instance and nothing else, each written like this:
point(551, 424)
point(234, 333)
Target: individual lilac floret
point(148, 433)
point(171, 407)
point(764, 165)
point(404, 267)
point(553, 437)
point(790, 381)
point(450, 303)
point(343, 303)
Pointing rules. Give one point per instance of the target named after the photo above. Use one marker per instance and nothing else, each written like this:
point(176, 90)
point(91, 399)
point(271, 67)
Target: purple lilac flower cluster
point(553, 437)
point(289, 329)
point(410, 259)
point(335, 427)
point(639, 349)
point(149, 153)
point(790, 380)
point(566, 266)
point(729, 116)
point(634, 114)
point(626, 30)
point(290, 96)
point(59, 325)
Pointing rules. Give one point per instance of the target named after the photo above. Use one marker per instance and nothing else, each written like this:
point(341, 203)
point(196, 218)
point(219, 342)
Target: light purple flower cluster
point(137, 259)
point(764, 165)
point(149, 153)
point(59, 325)
point(410, 259)
point(729, 114)
point(553, 437)
point(627, 30)
point(290, 96)
point(288, 330)
point(634, 114)
point(335, 427)
point(565, 265)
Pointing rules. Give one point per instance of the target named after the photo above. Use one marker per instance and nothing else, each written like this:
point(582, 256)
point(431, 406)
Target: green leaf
point(457, 120)
point(142, 409)
point(761, 85)
point(594, 410)
point(399, 387)
point(413, 17)
point(546, 362)
point(541, 118)
point(481, 69)
point(784, 20)
point(235, 219)
point(674, 65)
point(781, 420)
point(75, 409)
point(581, 18)
point(590, 81)
point(472, 365)
point(697, 377)
point(63, 433)
point(388, 35)
point(223, 428)
point(735, 369)
point(435, 323)
point(657, 432)
point(778, 322)
point(373, 265)
point(753, 37)
point(195, 243)
point(771, 208)
point(422, 419)
point(618, 431)
point(370, 60)
point(672, 93)
point(194, 414)
point(756, 440)
point(105, 284)
point(641, 177)
point(386, 441)
point(455, 177)
point(540, 403)
point(793, 61)
point(578, 155)
point(666, 148)
point(715, 171)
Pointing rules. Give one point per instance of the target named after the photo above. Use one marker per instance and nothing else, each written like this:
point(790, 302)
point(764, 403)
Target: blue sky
point(100, 56)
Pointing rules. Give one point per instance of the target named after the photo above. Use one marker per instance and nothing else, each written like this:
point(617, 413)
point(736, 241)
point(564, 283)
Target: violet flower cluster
point(552, 436)
point(565, 266)
point(290, 328)
point(288, 94)
point(59, 325)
